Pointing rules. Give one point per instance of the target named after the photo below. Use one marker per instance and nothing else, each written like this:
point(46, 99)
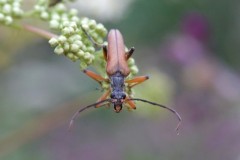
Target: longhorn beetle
point(117, 71)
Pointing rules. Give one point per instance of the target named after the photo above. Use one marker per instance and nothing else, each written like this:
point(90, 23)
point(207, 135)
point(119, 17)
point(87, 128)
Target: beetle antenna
point(82, 109)
point(156, 104)
point(91, 39)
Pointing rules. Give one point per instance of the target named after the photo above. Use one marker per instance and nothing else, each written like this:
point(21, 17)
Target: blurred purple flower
point(188, 46)
point(196, 26)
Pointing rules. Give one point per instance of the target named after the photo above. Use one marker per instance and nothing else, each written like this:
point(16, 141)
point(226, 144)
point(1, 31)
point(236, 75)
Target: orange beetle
point(117, 70)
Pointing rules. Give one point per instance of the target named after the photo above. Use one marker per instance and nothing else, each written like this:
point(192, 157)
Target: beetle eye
point(112, 96)
point(123, 96)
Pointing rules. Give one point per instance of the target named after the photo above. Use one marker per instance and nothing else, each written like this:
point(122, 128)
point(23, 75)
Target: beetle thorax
point(118, 95)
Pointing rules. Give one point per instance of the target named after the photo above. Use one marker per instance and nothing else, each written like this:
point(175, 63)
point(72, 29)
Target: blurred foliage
point(147, 23)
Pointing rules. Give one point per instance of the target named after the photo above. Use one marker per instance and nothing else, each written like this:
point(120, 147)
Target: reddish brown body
point(116, 55)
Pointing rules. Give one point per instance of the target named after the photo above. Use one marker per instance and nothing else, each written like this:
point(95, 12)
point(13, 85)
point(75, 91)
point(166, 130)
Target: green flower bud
point(75, 58)
point(73, 25)
point(44, 15)
point(66, 46)
point(73, 12)
point(2, 17)
point(93, 57)
point(100, 27)
point(59, 50)
point(84, 48)
point(76, 37)
point(89, 61)
point(54, 24)
point(92, 24)
point(131, 61)
point(91, 49)
point(83, 65)
point(62, 39)
point(85, 26)
point(67, 30)
point(134, 70)
point(79, 43)
point(94, 35)
point(39, 8)
point(64, 17)
point(80, 53)
point(74, 48)
point(84, 21)
point(17, 12)
point(7, 9)
point(65, 24)
point(60, 7)
point(87, 56)
point(105, 85)
point(16, 4)
point(55, 16)
point(8, 20)
point(75, 19)
point(99, 41)
point(70, 56)
point(53, 42)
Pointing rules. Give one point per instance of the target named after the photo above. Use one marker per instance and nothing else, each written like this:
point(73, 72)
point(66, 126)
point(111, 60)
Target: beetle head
point(117, 100)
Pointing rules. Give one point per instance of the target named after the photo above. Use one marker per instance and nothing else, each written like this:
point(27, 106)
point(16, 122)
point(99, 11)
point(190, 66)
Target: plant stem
point(41, 32)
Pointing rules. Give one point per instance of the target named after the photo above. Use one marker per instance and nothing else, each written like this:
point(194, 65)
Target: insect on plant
point(117, 70)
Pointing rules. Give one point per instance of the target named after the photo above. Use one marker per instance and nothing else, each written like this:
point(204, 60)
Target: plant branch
point(41, 32)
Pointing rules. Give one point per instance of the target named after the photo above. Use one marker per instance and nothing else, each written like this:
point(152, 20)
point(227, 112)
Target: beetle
point(117, 70)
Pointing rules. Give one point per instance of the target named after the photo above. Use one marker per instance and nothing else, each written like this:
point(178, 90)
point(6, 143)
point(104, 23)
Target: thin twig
point(41, 32)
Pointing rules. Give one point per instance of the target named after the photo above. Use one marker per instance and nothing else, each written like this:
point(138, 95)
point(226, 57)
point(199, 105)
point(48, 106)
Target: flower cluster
point(10, 10)
point(75, 44)
point(55, 15)
point(78, 36)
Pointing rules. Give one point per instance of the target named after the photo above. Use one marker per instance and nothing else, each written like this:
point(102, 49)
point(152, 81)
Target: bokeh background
point(190, 50)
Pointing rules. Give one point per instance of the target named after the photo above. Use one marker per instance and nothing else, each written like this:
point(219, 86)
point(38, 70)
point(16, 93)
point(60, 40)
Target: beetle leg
point(103, 97)
point(105, 52)
point(129, 53)
point(136, 80)
point(130, 103)
point(94, 76)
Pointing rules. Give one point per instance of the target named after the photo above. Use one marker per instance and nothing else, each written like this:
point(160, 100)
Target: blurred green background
point(190, 50)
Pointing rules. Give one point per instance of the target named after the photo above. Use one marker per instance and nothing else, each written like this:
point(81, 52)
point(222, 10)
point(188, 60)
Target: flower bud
point(44, 15)
point(92, 24)
point(70, 56)
point(134, 70)
point(60, 8)
point(8, 20)
point(7, 8)
point(2, 17)
point(79, 43)
point(73, 12)
point(74, 48)
point(66, 46)
point(59, 50)
point(54, 24)
point(131, 61)
point(62, 39)
point(80, 53)
point(53, 42)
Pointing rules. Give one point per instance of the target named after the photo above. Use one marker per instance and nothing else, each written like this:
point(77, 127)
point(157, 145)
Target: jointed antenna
point(82, 109)
point(156, 104)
